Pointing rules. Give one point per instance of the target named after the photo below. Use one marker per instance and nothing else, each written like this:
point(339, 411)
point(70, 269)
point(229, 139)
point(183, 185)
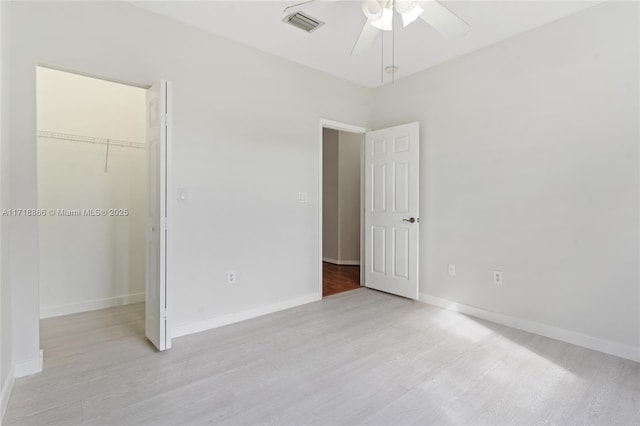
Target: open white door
point(158, 134)
point(391, 218)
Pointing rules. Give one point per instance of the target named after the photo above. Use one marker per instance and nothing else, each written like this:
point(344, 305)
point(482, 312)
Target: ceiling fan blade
point(442, 19)
point(303, 5)
point(366, 39)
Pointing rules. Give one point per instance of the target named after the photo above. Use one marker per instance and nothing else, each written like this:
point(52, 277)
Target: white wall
point(245, 144)
point(6, 332)
point(341, 196)
point(529, 165)
point(90, 262)
point(349, 145)
point(330, 195)
point(72, 103)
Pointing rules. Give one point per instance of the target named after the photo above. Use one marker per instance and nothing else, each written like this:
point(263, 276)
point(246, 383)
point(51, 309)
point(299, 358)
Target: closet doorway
point(92, 190)
point(341, 207)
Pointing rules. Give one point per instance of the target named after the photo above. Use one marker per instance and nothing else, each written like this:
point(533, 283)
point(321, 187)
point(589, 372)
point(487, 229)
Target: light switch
point(303, 197)
point(183, 195)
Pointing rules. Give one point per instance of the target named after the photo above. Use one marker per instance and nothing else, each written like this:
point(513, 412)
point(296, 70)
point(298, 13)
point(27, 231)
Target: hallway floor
point(339, 278)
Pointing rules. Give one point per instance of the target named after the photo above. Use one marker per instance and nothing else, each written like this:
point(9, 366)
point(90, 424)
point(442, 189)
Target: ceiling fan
point(379, 14)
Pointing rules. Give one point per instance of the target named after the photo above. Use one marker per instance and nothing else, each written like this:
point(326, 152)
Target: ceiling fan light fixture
point(385, 22)
point(411, 15)
point(372, 9)
point(404, 6)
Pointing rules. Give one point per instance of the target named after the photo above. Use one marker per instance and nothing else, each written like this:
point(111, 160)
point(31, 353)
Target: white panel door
point(156, 247)
point(391, 220)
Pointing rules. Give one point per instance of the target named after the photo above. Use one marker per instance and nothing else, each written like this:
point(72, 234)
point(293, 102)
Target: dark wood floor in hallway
point(339, 278)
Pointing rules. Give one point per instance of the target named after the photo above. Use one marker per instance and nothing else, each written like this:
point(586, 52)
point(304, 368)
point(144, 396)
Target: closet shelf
point(90, 139)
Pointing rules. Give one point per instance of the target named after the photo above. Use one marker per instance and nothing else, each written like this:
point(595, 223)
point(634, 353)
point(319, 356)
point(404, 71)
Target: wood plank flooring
point(359, 357)
point(339, 278)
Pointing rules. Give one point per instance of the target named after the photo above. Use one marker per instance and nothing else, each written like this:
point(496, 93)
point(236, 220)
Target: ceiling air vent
point(303, 21)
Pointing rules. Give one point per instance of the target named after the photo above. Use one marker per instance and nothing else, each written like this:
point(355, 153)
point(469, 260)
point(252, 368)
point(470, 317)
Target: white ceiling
point(417, 47)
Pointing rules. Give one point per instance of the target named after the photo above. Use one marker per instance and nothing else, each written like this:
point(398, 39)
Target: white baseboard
point(28, 367)
point(341, 262)
point(90, 305)
point(185, 329)
point(597, 344)
point(7, 388)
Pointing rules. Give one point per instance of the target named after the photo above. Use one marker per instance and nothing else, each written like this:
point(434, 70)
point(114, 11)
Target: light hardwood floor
point(360, 357)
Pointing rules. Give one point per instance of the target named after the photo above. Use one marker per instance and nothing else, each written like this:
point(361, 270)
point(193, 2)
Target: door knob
point(410, 220)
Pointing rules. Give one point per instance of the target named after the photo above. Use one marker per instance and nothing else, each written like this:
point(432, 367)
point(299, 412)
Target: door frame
point(166, 87)
point(325, 123)
point(168, 171)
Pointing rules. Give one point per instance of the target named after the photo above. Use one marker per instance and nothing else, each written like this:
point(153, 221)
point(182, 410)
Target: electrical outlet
point(497, 277)
point(231, 277)
point(452, 269)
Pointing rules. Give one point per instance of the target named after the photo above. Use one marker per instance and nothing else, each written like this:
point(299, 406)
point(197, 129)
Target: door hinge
point(163, 313)
point(164, 223)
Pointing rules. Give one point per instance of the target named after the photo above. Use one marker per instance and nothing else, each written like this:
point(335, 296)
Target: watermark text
point(100, 212)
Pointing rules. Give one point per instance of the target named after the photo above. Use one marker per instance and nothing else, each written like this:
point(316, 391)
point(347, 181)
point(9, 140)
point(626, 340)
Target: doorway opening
point(93, 197)
point(389, 207)
point(342, 193)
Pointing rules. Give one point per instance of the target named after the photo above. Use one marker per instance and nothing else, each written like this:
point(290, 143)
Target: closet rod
point(89, 139)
